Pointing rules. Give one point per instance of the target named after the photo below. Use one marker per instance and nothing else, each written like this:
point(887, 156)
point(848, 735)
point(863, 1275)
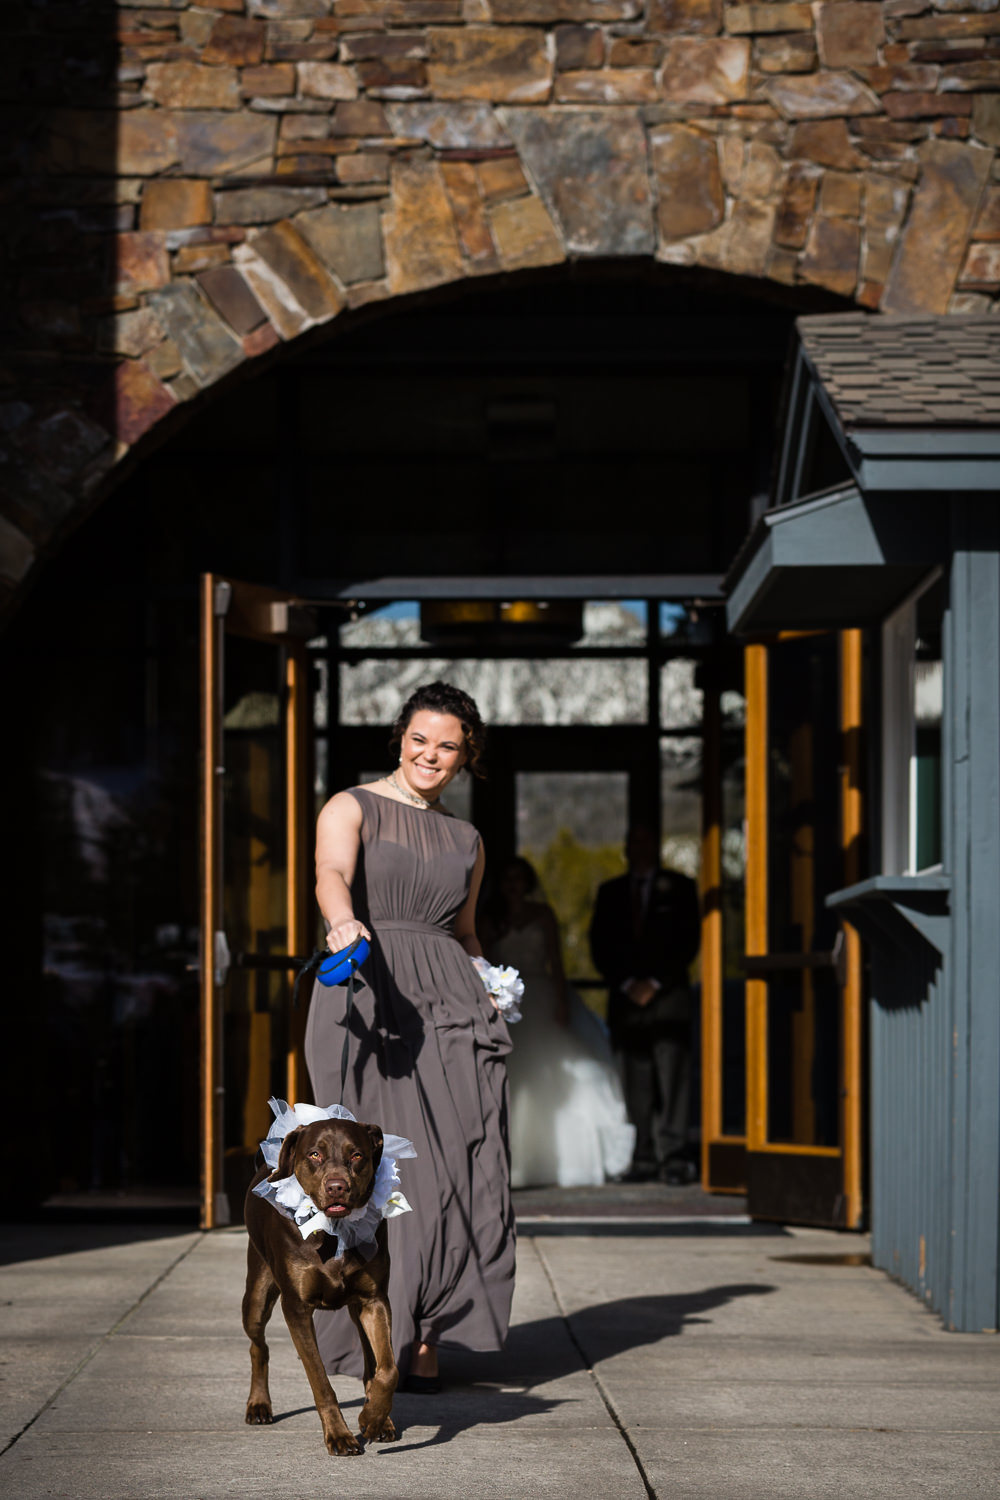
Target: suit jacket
point(662, 949)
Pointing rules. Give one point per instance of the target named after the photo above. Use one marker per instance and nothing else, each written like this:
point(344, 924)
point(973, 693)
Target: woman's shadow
point(501, 1388)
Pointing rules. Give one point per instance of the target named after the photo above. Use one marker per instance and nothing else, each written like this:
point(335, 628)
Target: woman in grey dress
point(427, 1044)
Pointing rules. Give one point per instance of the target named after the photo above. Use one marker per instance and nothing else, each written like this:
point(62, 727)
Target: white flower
point(504, 986)
point(290, 1198)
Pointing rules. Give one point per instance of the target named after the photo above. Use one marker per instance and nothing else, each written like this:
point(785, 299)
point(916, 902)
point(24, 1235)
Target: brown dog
point(335, 1162)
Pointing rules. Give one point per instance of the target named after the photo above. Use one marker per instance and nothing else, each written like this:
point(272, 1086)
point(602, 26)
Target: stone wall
point(189, 186)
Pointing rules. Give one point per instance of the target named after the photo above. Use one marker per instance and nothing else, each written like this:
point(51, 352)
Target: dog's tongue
point(337, 1210)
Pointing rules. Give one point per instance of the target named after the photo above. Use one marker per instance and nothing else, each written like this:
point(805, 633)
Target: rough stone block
point(947, 27)
point(982, 267)
point(231, 296)
point(462, 187)
point(191, 258)
point(886, 199)
point(326, 80)
point(212, 144)
point(363, 166)
point(207, 346)
point(448, 127)
point(773, 16)
point(280, 10)
point(794, 52)
point(165, 360)
point(607, 86)
point(421, 242)
point(361, 117)
point(298, 266)
point(686, 17)
point(503, 64)
point(264, 205)
point(404, 75)
point(546, 11)
point(578, 47)
point(840, 195)
point(347, 238)
point(141, 261)
point(296, 127)
point(591, 168)
point(902, 106)
point(188, 85)
point(175, 203)
point(831, 254)
point(824, 141)
point(986, 119)
point(269, 81)
point(525, 234)
point(501, 178)
point(131, 333)
point(821, 96)
point(146, 143)
point(260, 341)
point(706, 70)
point(798, 200)
point(377, 44)
point(932, 247)
point(235, 41)
point(138, 399)
point(690, 196)
point(635, 52)
point(849, 32)
point(987, 225)
point(743, 244)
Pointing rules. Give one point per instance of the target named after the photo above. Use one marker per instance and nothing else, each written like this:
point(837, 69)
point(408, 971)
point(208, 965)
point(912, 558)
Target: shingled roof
point(907, 372)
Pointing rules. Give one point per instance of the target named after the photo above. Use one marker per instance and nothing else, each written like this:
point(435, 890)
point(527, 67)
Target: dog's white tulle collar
point(290, 1198)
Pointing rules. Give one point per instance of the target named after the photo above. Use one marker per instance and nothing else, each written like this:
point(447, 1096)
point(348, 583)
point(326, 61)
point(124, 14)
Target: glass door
point(255, 877)
point(803, 987)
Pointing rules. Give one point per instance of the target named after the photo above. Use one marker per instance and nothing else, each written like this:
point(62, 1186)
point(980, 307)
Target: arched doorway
point(591, 437)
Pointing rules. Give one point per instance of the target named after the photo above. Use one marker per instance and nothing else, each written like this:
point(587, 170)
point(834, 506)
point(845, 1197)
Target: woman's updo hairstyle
point(442, 698)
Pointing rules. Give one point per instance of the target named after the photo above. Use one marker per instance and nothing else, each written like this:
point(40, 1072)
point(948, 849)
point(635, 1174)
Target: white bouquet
point(504, 986)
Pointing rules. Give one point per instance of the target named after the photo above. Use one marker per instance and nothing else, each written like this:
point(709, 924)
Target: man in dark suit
point(644, 935)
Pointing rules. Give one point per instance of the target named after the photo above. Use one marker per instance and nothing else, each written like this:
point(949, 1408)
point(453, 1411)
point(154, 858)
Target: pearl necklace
point(410, 796)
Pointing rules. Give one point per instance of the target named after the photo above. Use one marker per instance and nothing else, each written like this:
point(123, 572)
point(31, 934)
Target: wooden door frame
point(850, 714)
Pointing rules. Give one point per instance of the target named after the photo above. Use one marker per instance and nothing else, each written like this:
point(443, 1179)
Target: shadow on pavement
point(25, 1242)
point(495, 1389)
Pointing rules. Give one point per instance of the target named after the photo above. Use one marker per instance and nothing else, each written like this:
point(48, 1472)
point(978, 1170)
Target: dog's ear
point(377, 1140)
point(286, 1157)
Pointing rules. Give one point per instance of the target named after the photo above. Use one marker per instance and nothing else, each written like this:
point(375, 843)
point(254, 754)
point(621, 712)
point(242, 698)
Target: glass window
point(681, 702)
point(614, 622)
point(396, 624)
point(571, 826)
point(928, 688)
point(680, 790)
point(548, 691)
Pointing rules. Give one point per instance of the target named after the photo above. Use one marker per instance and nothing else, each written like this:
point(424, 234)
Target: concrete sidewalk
point(647, 1358)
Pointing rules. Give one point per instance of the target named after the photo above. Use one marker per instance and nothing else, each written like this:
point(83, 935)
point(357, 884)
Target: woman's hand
point(345, 933)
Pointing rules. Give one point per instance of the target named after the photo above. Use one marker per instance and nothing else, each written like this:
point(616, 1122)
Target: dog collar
point(289, 1197)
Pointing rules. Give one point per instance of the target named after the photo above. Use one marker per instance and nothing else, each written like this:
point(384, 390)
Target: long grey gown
point(427, 1061)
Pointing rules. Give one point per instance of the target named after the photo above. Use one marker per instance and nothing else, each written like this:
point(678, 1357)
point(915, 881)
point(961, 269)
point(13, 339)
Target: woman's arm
point(338, 839)
point(553, 947)
point(464, 929)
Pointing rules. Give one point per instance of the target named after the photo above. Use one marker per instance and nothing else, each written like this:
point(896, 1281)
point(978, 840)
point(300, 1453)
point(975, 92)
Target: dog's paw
point(376, 1429)
point(342, 1444)
point(259, 1413)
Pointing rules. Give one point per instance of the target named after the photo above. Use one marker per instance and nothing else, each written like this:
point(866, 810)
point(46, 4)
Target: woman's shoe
point(421, 1385)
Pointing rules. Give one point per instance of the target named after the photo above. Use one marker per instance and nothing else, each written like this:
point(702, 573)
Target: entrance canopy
point(844, 559)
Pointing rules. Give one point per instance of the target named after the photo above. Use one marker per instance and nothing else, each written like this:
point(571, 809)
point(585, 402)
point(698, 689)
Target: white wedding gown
point(568, 1125)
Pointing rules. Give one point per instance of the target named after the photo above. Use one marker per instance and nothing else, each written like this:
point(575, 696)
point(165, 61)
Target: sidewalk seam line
point(598, 1382)
point(99, 1345)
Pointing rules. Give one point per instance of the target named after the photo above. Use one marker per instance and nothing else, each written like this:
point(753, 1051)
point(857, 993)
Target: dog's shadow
point(496, 1389)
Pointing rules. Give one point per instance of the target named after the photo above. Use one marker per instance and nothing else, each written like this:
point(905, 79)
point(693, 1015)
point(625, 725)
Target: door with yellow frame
point(255, 912)
point(791, 1136)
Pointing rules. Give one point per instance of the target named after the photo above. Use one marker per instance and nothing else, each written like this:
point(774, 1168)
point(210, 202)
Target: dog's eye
point(357, 1156)
point(315, 1156)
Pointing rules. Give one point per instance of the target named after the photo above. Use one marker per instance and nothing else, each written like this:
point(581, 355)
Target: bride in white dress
point(568, 1125)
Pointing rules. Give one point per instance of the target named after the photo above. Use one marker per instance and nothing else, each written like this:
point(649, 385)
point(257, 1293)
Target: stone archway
point(266, 165)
